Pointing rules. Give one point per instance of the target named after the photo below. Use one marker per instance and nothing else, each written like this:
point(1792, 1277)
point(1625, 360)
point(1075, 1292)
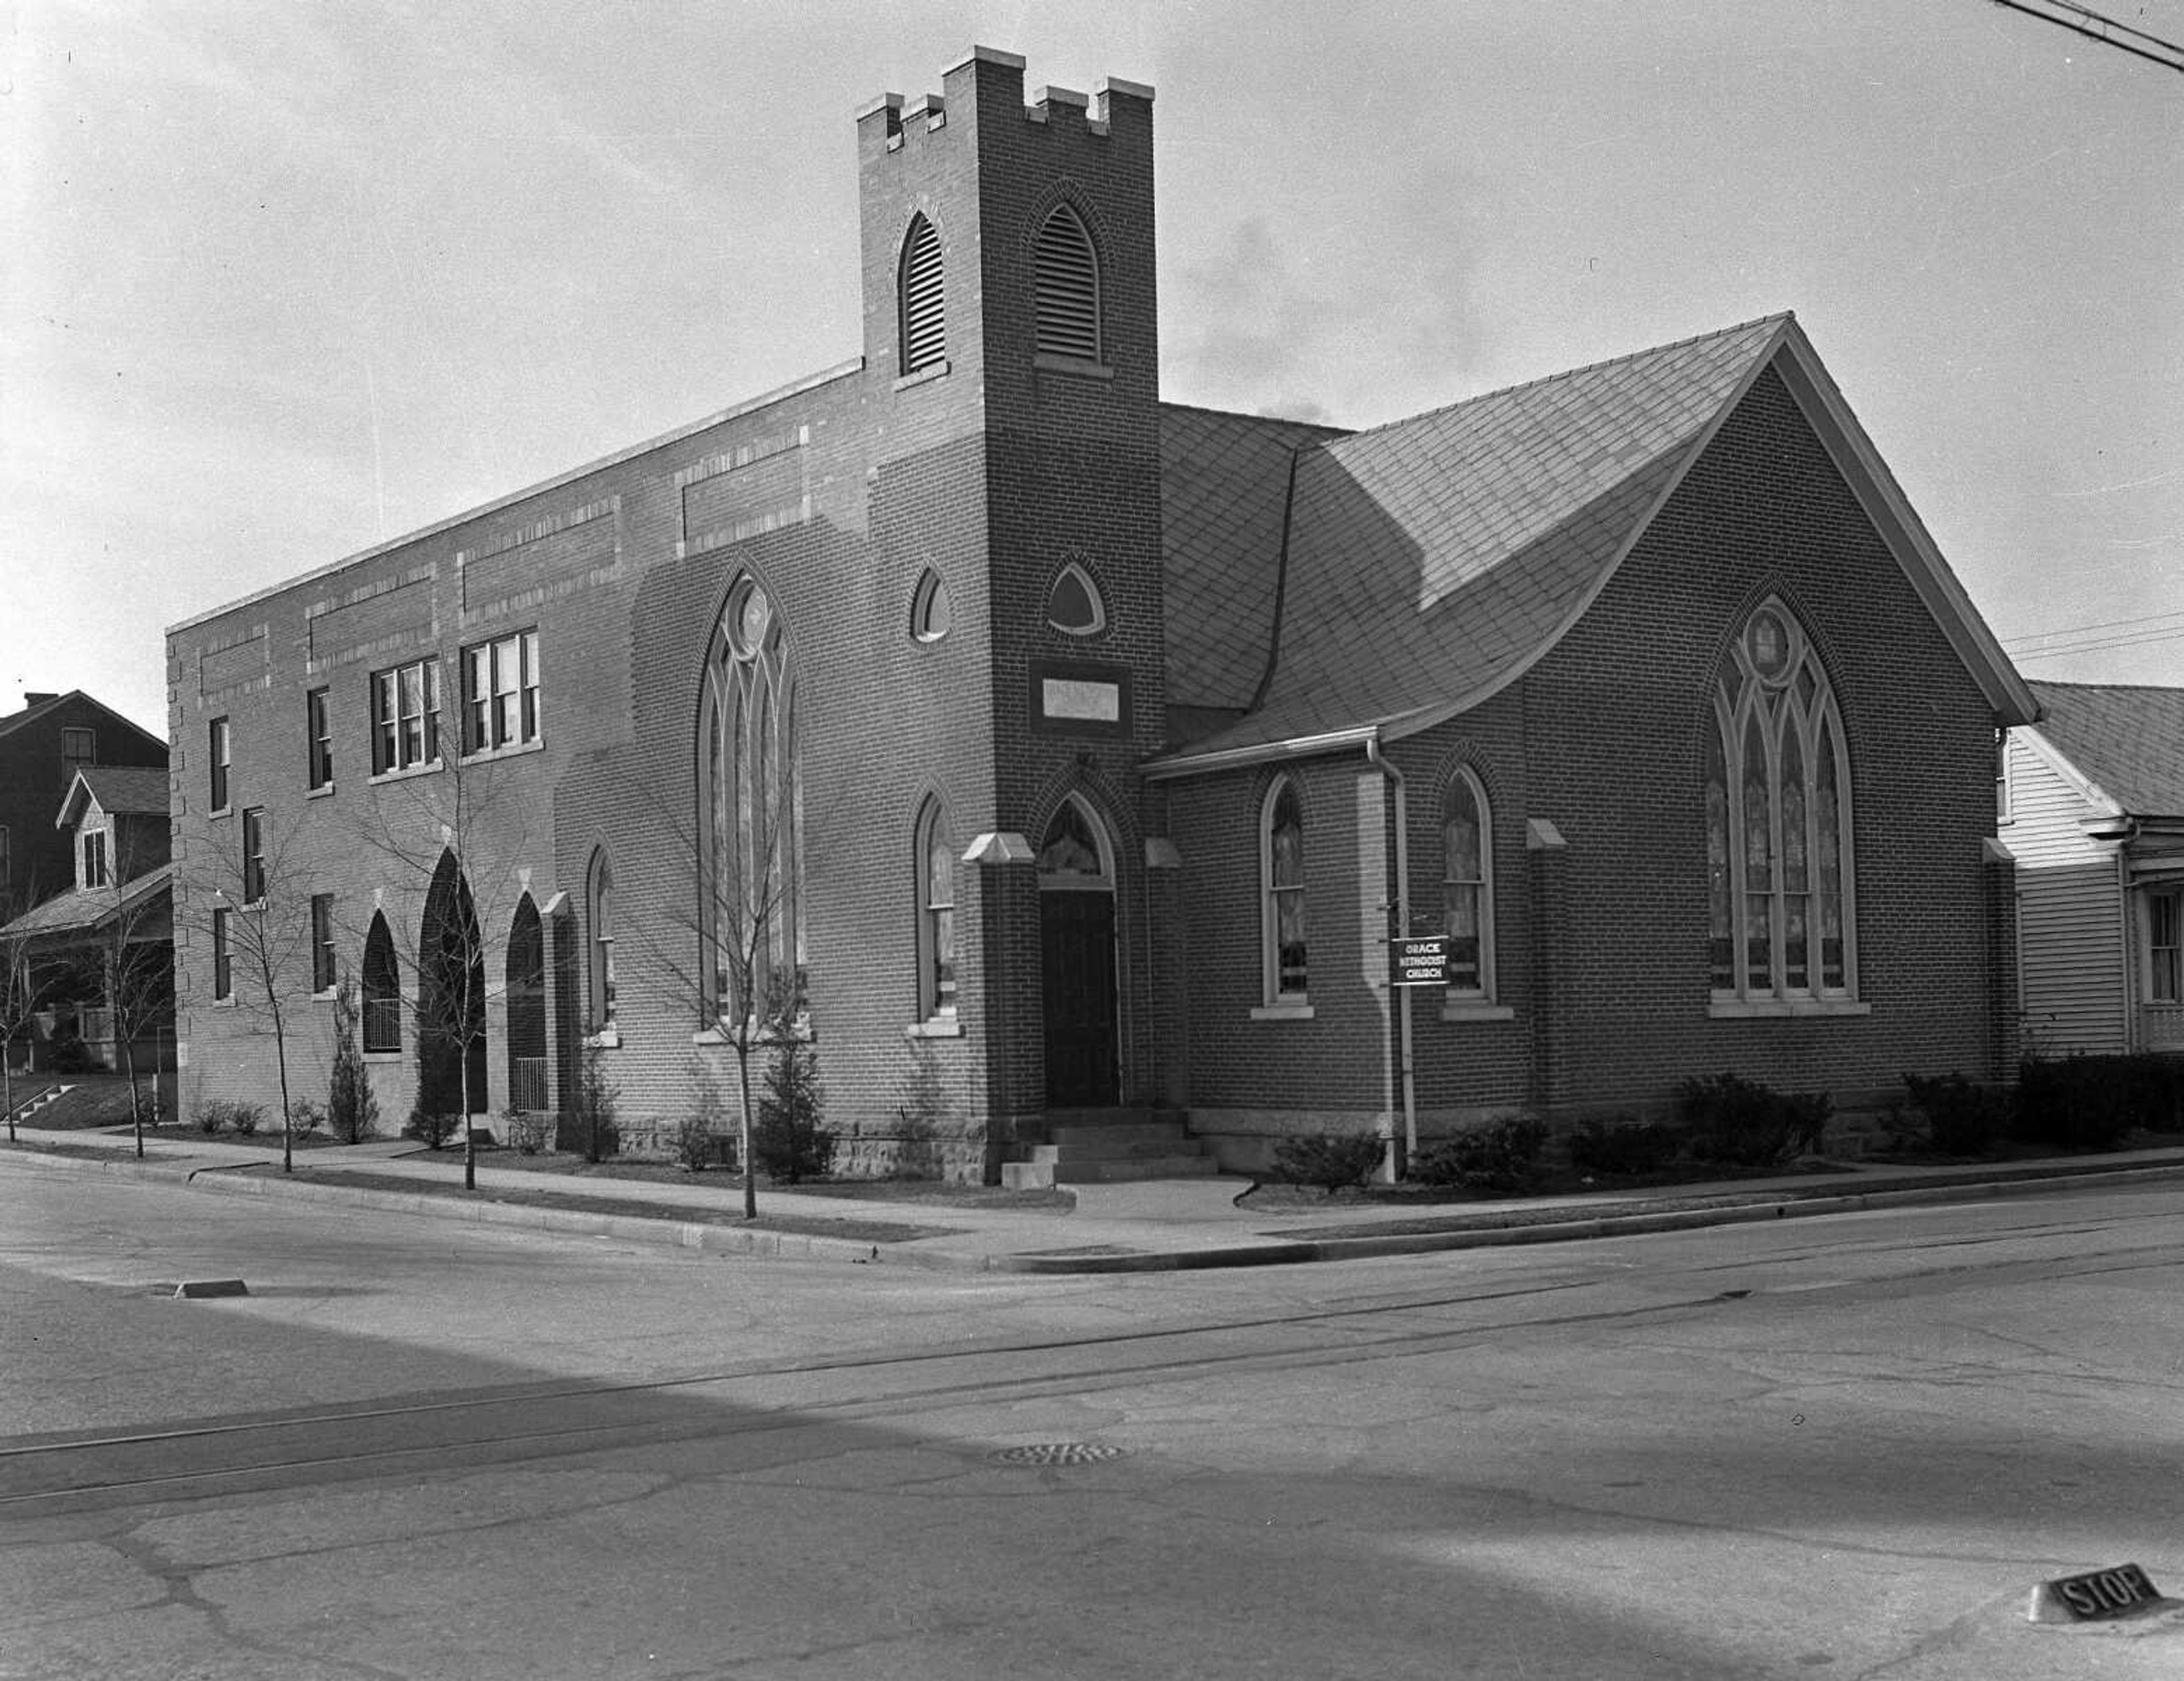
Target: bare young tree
point(22, 989)
point(129, 962)
point(456, 832)
point(728, 950)
point(260, 919)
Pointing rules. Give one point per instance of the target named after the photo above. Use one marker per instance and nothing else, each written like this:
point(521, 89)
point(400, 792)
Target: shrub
point(232, 1114)
point(525, 1132)
point(68, 1054)
point(588, 1114)
point(352, 1111)
point(1495, 1156)
point(2094, 1103)
point(1328, 1159)
point(703, 1137)
point(1744, 1123)
point(1623, 1147)
point(435, 1129)
point(1958, 1117)
point(788, 1141)
point(306, 1117)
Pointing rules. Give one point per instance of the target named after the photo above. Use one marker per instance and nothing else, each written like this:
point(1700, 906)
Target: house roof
point(1225, 495)
point(130, 790)
point(16, 721)
point(1431, 562)
point(2127, 740)
point(78, 912)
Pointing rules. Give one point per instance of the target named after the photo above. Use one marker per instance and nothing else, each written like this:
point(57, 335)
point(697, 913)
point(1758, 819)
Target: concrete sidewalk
point(1151, 1225)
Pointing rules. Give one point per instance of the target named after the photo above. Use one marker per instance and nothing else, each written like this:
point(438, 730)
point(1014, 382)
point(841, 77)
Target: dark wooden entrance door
point(1077, 946)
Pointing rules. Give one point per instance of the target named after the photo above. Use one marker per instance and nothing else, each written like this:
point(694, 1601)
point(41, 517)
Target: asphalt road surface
point(1839, 1447)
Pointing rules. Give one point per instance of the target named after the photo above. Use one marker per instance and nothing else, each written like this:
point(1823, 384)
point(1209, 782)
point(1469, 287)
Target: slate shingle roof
point(78, 912)
point(1432, 560)
point(2129, 740)
point(1224, 482)
point(128, 789)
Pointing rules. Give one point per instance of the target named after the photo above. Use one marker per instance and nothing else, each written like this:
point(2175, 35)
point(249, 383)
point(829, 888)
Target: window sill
point(227, 1003)
point(326, 995)
point(1476, 1009)
point(939, 371)
point(1048, 362)
point(607, 1039)
point(1282, 1012)
point(486, 754)
point(1751, 1009)
point(220, 811)
point(935, 1027)
point(324, 791)
point(383, 1057)
point(407, 771)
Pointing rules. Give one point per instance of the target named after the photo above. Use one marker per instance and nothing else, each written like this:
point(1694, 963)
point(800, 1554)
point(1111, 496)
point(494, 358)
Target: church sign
point(1420, 962)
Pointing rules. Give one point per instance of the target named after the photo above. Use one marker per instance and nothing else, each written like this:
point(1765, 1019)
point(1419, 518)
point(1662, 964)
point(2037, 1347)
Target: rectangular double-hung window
point(405, 716)
point(217, 753)
point(500, 693)
point(223, 967)
point(319, 734)
point(94, 858)
point(322, 943)
point(254, 855)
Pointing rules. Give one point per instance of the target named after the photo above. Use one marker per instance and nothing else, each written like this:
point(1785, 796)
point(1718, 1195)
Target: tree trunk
point(743, 1092)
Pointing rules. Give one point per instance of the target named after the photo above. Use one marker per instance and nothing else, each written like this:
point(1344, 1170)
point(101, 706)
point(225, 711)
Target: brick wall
point(1601, 947)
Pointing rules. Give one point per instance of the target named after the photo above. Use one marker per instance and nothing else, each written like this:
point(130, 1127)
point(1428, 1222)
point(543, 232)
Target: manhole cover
point(1057, 1453)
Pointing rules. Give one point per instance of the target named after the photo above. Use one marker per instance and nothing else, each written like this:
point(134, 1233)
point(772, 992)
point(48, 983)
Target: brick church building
point(1055, 754)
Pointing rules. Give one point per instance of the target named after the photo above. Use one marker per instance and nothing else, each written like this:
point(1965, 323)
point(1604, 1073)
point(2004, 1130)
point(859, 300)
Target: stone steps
point(1105, 1146)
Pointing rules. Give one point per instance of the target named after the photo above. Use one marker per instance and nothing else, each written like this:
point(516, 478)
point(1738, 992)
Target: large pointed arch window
point(1780, 886)
point(1282, 897)
point(752, 831)
point(922, 304)
point(1067, 287)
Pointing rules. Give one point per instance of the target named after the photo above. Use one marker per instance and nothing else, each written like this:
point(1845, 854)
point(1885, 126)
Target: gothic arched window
point(382, 989)
point(1467, 887)
point(936, 914)
point(1281, 893)
point(752, 829)
point(1779, 875)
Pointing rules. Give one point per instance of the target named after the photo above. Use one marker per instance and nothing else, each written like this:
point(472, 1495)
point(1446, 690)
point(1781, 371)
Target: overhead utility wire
point(2032, 654)
point(2135, 622)
point(2095, 27)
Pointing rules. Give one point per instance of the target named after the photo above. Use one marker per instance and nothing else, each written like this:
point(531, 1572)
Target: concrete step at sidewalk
point(1115, 1149)
point(1119, 1139)
point(1112, 1169)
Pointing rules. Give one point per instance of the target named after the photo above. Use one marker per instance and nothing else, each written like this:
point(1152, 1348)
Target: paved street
point(1842, 1446)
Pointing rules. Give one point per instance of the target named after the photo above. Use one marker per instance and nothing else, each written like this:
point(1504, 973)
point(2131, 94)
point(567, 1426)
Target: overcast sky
point(284, 281)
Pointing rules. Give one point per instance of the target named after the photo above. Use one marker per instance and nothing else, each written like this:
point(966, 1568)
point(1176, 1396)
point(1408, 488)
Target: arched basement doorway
point(526, 1008)
point(1076, 957)
point(451, 1036)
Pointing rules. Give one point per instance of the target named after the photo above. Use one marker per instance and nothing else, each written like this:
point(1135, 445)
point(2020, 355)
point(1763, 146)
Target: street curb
point(1276, 1251)
point(226, 1178)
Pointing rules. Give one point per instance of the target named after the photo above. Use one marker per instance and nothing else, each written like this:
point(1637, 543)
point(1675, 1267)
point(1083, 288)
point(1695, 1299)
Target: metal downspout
point(1403, 927)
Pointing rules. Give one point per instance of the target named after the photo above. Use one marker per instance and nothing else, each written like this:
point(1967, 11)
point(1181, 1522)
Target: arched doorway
point(526, 1008)
point(451, 998)
point(1076, 957)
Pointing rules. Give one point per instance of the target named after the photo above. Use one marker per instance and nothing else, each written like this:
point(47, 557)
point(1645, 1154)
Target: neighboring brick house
point(42, 748)
point(2091, 807)
point(1058, 749)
